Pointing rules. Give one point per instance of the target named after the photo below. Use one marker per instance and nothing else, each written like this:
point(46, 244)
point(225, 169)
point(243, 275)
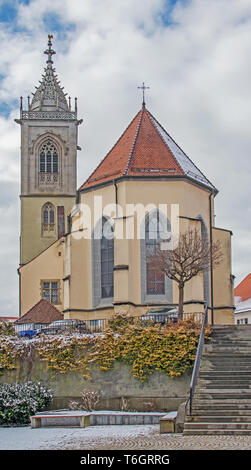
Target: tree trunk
point(181, 299)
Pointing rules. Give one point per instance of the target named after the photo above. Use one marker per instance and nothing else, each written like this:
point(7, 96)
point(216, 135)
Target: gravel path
point(142, 437)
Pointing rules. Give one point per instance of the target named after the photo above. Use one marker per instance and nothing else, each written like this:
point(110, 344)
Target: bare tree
point(191, 256)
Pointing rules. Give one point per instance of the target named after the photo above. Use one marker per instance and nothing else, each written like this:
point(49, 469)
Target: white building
point(242, 299)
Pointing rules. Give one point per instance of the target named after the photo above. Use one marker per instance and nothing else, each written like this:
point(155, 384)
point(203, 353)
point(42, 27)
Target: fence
point(99, 325)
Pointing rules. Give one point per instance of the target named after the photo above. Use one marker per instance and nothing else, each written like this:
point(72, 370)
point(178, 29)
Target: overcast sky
point(194, 54)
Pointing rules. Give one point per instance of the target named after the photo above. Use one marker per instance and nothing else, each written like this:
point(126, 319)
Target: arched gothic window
point(102, 263)
point(48, 217)
point(107, 259)
point(48, 158)
point(155, 286)
point(155, 281)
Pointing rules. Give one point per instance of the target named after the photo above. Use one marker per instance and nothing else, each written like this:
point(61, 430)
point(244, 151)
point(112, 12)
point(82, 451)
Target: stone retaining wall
point(159, 392)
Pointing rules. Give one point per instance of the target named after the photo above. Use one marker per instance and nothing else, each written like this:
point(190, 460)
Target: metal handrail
point(197, 361)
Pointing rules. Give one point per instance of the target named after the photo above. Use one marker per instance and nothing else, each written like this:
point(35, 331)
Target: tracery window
point(155, 281)
point(48, 217)
point(107, 259)
point(49, 158)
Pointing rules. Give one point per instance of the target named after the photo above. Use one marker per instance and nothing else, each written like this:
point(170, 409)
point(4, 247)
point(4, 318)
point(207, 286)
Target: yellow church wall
point(32, 242)
point(222, 281)
point(81, 275)
point(48, 266)
point(193, 201)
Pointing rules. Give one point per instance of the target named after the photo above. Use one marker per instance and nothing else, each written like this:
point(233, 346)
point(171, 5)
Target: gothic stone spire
point(49, 96)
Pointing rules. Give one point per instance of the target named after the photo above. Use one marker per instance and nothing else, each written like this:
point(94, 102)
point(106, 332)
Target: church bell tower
point(49, 136)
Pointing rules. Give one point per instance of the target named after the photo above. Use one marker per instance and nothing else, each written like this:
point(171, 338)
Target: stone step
point(236, 359)
point(228, 338)
point(225, 341)
point(231, 327)
point(222, 399)
point(224, 409)
point(219, 418)
point(233, 331)
point(225, 350)
point(224, 367)
point(214, 366)
point(228, 403)
point(226, 356)
point(228, 350)
point(219, 432)
point(217, 362)
point(239, 392)
point(216, 341)
point(220, 385)
point(231, 334)
point(232, 379)
point(217, 425)
point(221, 412)
point(223, 395)
point(224, 374)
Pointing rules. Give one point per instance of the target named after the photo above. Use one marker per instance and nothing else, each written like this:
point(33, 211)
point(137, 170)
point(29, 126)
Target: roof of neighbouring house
point(145, 149)
point(5, 318)
point(243, 289)
point(42, 312)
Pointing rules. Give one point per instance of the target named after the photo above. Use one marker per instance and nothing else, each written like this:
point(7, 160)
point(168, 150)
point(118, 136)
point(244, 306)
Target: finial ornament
point(143, 88)
point(49, 51)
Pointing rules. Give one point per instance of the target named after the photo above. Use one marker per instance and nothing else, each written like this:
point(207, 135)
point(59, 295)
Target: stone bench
point(81, 420)
point(124, 418)
point(167, 422)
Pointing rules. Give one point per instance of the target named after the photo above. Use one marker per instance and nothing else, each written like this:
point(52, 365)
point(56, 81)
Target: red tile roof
point(145, 149)
point(42, 312)
point(243, 289)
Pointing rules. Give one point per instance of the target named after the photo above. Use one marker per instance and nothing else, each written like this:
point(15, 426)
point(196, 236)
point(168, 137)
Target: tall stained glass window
point(107, 259)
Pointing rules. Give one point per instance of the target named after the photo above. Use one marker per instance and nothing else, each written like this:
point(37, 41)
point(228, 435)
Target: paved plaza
point(133, 437)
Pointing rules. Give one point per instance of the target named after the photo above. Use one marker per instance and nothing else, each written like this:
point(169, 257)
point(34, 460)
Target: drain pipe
point(211, 260)
point(116, 196)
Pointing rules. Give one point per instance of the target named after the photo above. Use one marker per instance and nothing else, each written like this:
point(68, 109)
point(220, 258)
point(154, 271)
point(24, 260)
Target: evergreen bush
point(19, 401)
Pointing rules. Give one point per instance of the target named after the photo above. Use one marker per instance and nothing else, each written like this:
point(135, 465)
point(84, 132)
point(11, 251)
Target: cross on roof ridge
point(143, 88)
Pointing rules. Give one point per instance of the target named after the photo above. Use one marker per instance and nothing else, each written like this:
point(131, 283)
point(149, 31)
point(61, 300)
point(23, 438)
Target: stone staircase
point(222, 399)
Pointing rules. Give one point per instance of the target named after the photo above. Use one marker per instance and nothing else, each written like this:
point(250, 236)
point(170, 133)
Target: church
point(85, 249)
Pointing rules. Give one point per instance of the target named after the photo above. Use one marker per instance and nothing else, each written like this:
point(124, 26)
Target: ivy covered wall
point(131, 360)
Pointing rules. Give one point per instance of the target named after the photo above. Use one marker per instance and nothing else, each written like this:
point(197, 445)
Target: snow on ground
point(25, 438)
point(114, 437)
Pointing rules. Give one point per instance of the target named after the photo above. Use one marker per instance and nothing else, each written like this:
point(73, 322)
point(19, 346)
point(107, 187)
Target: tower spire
point(50, 52)
point(49, 96)
point(49, 99)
